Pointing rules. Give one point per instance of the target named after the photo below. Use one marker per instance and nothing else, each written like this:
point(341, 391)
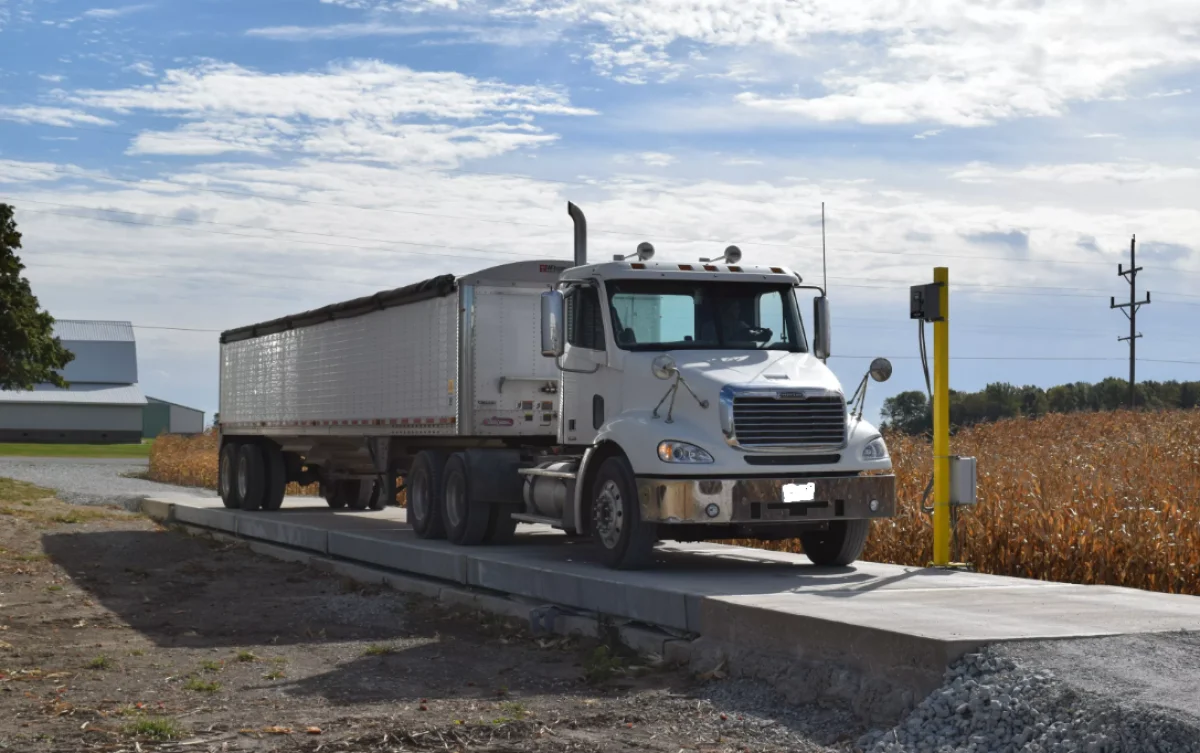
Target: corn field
point(1108, 498)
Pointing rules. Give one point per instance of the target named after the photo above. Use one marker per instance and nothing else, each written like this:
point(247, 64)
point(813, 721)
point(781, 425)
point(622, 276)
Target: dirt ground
point(119, 635)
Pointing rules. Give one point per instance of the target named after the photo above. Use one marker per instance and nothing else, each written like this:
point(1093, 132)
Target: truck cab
point(694, 406)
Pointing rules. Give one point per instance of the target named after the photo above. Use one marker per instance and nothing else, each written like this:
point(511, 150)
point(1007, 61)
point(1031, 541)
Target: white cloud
point(15, 172)
point(657, 159)
point(958, 64)
point(142, 67)
point(124, 10)
point(53, 116)
point(356, 110)
point(1078, 173)
point(929, 134)
point(347, 31)
point(1170, 93)
point(52, 78)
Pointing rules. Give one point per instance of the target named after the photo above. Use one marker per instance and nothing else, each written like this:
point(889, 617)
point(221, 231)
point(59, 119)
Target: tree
point(908, 412)
point(29, 351)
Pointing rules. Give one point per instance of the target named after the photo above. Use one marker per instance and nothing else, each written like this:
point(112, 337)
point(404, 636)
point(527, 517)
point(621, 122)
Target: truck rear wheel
point(840, 545)
point(425, 495)
point(467, 520)
point(251, 476)
point(502, 526)
point(275, 477)
point(227, 483)
point(626, 542)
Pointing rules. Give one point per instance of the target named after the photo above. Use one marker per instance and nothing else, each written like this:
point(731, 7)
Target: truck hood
point(768, 369)
point(707, 371)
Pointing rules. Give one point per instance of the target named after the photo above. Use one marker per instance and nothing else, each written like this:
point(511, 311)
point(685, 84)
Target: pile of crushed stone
point(992, 703)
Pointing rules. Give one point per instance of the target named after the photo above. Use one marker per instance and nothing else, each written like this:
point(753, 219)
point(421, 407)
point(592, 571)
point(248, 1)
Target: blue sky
point(207, 164)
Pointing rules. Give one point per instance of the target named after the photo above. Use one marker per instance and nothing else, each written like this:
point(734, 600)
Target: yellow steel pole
point(941, 423)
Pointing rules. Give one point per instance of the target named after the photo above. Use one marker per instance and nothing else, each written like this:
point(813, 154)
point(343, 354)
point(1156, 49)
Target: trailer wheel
point(275, 477)
point(227, 482)
point(502, 526)
point(356, 492)
point(840, 545)
point(466, 519)
point(385, 492)
point(251, 476)
point(332, 495)
point(625, 541)
point(425, 495)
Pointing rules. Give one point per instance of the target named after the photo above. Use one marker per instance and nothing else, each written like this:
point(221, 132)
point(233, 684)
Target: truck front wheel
point(425, 495)
point(227, 482)
point(839, 545)
point(626, 542)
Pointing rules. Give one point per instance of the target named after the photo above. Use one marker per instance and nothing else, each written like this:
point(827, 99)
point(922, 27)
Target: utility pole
point(1130, 311)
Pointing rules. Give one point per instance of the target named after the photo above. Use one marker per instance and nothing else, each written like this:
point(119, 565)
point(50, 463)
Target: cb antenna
point(824, 271)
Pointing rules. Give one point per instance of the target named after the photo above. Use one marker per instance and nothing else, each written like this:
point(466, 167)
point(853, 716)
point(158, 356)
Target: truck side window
point(585, 327)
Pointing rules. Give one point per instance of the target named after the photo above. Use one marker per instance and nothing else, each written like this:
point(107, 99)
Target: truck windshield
point(681, 314)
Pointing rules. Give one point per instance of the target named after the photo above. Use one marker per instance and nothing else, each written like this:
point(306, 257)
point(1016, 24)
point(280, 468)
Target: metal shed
point(103, 403)
point(164, 417)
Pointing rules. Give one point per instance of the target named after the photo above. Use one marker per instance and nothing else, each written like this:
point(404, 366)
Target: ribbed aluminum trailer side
point(347, 394)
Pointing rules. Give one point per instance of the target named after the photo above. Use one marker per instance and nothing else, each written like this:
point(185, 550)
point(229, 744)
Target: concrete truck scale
point(628, 401)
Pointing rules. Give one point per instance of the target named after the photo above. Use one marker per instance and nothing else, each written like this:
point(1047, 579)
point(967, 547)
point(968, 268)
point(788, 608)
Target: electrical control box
point(963, 481)
point(925, 302)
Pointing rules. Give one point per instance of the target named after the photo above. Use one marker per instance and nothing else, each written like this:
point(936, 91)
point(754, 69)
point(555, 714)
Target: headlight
point(681, 452)
point(876, 449)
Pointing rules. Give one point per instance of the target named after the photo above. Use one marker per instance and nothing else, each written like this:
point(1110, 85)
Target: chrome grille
point(818, 421)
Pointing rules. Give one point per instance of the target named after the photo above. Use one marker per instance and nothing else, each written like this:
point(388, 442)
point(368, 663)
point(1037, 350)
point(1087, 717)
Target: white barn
point(103, 403)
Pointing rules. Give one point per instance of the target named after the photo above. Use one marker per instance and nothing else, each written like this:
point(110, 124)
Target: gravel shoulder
point(89, 481)
point(118, 634)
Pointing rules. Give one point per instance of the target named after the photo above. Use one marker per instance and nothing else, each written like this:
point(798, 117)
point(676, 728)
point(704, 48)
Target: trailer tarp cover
point(435, 287)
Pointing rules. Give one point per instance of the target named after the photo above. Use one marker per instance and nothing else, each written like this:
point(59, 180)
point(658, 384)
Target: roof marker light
point(637, 265)
point(686, 267)
point(777, 270)
point(709, 268)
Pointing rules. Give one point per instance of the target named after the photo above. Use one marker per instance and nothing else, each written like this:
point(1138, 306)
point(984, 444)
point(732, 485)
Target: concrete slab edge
point(876, 694)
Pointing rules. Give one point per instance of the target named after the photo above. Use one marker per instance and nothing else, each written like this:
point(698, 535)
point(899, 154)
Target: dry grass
point(1110, 498)
point(192, 461)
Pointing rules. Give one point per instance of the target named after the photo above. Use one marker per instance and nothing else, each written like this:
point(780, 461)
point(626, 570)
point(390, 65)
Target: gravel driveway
point(89, 481)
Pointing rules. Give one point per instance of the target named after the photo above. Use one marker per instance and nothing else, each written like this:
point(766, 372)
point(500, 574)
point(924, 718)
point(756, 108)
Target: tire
point(356, 492)
point(624, 540)
point(276, 477)
point(842, 544)
point(425, 495)
point(466, 520)
point(251, 476)
point(227, 483)
point(502, 527)
point(329, 490)
point(384, 494)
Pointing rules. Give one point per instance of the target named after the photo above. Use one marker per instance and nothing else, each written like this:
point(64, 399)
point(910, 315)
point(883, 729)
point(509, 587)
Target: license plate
point(799, 492)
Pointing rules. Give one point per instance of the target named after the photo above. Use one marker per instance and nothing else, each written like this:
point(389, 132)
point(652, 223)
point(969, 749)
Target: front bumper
point(759, 500)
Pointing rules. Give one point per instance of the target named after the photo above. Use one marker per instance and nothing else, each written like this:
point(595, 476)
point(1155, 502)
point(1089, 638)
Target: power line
point(982, 288)
point(599, 231)
point(1024, 358)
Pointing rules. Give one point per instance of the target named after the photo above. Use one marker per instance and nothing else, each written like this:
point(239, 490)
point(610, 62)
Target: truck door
point(590, 393)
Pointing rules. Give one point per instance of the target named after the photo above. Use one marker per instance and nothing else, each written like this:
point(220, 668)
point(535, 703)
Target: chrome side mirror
point(552, 324)
point(821, 328)
point(881, 370)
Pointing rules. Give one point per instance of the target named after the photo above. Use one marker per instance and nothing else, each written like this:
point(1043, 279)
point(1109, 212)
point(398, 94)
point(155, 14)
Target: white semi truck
point(626, 401)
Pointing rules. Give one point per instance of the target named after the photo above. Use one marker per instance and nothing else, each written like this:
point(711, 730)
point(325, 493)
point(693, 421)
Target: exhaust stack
point(580, 233)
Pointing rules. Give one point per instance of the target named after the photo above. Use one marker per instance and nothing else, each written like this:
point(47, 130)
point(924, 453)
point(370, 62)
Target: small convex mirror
point(881, 369)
